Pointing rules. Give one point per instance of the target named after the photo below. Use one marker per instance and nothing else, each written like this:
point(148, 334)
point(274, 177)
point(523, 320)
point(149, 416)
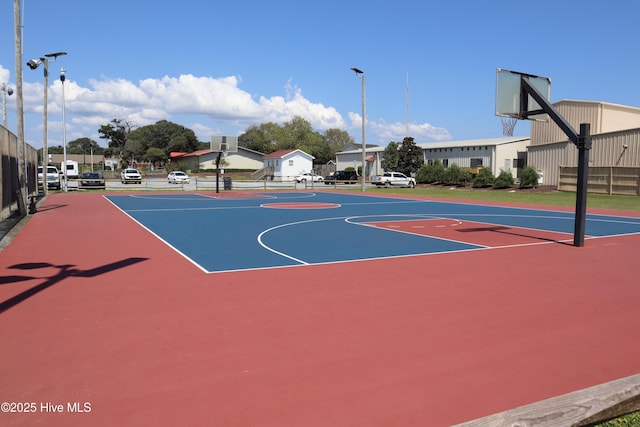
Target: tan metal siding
point(575, 113)
point(609, 149)
point(547, 158)
point(619, 117)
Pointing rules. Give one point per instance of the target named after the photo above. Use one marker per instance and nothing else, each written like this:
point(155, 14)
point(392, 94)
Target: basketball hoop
point(508, 125)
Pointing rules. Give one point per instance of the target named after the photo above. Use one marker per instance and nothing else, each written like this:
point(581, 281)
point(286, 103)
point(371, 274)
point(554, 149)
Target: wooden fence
point(603, 179)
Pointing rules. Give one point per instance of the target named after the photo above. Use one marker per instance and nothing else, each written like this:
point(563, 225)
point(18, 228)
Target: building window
point(291, 162)
point(445, 163)
point(476, 163)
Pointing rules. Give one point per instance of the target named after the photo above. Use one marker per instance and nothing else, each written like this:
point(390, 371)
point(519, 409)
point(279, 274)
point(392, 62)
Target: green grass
point(630, 420)
point(551, 198)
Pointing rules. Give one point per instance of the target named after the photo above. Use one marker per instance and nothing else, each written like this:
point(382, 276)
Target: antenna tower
point(407, 123)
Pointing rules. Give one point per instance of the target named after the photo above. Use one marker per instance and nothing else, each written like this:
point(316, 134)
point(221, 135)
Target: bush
point(430, 174)
point(484, 178)
point(454, 175)
point(529, 177)
point(504, 180)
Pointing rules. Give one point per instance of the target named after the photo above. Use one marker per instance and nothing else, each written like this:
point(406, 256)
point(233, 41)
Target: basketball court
point(268, 230)
point(315, 309)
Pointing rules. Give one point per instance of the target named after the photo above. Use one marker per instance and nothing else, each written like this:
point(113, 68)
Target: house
point(286, 164)
point(505, 153)
point(243, 159)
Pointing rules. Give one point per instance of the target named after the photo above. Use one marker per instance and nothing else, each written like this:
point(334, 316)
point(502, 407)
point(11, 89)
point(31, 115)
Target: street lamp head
point(55, 55)
point(62, 76)
point(34, 63)
point(8, 90)
point(357, 70)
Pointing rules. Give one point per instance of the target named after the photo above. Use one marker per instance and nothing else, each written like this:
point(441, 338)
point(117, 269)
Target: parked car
point(91, 179)
point(53, 177)
point(395, 179)
point(309, 176)
point(130, 175)
point(342, 177)
point(178, 177)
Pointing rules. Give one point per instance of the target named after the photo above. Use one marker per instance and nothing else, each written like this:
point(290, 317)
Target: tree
point(336, 140)
point(390, 157)
point(156, 155)
point(84, 146)
point(155, 142)
point(294, 134)
point(262, 139)
point(117, 134)
point(410, 157)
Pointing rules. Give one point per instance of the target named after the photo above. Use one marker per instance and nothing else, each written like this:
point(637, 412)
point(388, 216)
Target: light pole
point(6, 90)
point(33, 64)
point(64, 132)
point(360, 73)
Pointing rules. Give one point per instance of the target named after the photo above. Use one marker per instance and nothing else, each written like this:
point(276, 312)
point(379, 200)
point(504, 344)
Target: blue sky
point(220, 67)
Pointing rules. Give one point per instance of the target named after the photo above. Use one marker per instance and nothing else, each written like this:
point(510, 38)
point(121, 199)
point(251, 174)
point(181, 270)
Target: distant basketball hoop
point(508, 125)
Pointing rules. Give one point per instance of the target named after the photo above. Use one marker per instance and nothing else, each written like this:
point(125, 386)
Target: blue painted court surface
point(269, 230)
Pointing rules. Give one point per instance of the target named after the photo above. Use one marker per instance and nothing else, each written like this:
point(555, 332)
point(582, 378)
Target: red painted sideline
point(117, 320)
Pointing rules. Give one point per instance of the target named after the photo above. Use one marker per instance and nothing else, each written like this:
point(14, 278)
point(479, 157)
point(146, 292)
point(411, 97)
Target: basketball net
point(508, 124)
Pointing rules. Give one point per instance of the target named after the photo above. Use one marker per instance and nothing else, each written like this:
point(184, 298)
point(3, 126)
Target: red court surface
point(99, 315)
point(478, 233)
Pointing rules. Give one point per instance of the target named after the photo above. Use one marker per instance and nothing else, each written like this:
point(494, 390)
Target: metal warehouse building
point(505, 153)
point(615, 131)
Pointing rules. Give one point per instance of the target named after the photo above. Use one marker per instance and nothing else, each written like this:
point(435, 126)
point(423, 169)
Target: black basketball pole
point(218, 172)
point(582, 141)
point(584, 145)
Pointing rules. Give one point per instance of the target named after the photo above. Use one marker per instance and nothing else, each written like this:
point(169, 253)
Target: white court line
point(160, 238)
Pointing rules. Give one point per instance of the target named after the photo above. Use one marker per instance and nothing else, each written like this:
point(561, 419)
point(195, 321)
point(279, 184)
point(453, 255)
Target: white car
point(178, 177)
point(396, 179)
point(130, 175)
point(304, 177)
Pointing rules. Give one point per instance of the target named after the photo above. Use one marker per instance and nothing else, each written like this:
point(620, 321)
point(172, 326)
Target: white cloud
point(4, 76)
point(207, 105)
point(382, 132)
point(397, 131)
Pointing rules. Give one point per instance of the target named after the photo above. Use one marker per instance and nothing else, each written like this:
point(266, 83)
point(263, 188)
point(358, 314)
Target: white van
point(72, 169)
